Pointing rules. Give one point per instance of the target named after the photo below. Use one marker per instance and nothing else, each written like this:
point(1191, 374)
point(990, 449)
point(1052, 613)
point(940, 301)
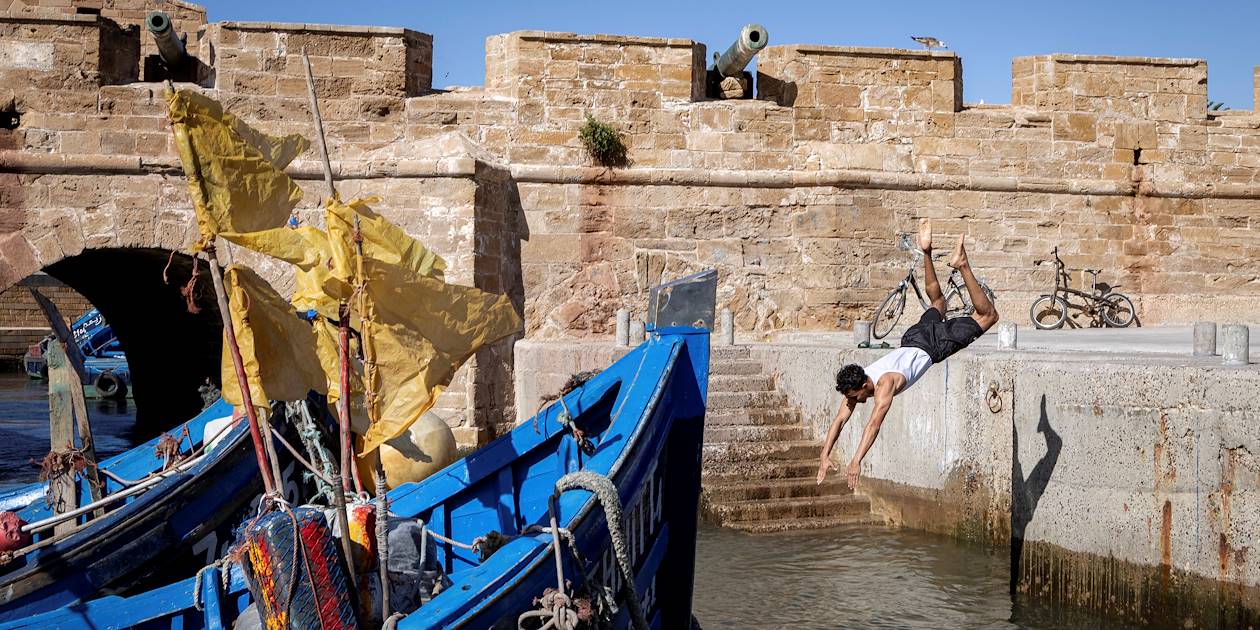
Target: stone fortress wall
point(796, 196)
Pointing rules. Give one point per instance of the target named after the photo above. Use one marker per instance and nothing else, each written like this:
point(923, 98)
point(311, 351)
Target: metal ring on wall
point(995, 398)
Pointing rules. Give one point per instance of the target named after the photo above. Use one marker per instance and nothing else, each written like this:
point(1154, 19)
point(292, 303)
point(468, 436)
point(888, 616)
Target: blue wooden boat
point(176, 522)
point(106, 374)
point(644, 418)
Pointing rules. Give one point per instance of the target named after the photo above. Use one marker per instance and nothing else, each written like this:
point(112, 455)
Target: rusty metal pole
point(229, 337)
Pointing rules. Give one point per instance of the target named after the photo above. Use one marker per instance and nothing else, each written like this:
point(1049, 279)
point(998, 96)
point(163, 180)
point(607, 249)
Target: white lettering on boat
point(642, 522)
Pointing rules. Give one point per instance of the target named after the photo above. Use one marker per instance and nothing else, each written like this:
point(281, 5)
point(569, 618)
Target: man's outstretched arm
point(833, 434)
point(884, 392)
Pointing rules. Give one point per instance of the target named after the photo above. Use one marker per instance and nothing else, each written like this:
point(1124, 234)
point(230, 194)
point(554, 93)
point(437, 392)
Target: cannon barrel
point(169, 45)
point(752, 38)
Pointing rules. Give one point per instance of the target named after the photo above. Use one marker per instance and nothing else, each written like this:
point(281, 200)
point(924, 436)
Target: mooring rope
point(555, 606)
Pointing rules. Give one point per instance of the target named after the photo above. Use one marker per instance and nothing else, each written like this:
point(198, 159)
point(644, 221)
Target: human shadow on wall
point(1026, 493)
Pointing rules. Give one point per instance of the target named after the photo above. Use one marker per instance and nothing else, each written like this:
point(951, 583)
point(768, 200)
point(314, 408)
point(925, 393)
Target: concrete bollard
point(623, 328)
point(1204, 339)
point(1008, 335)
point(1235, 344)
point(637, 333)
point(727, 337)
point(862, 333)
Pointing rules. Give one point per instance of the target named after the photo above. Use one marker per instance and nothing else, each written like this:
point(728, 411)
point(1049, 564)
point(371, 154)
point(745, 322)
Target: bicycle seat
point(1093, 271)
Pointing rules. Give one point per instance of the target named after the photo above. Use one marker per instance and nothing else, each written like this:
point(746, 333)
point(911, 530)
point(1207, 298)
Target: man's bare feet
point(959, 259)
point(925, 235)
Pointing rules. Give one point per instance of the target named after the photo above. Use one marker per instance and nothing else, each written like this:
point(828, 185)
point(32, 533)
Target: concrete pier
point(1123, 474)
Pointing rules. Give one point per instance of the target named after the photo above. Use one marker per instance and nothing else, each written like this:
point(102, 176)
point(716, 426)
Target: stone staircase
point(760, 460)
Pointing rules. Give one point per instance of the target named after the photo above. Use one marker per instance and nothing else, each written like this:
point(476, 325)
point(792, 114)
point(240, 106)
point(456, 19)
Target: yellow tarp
point(422, 330)
point(382, 240)
point(319, 283)
point(277, 347)
point(235, 174)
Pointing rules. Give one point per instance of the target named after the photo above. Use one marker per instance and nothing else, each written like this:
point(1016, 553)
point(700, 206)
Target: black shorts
point(940, 337)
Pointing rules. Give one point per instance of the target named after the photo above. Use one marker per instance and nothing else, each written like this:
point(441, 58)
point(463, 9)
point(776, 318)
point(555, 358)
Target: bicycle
point(1050, 312)
point(957, 300)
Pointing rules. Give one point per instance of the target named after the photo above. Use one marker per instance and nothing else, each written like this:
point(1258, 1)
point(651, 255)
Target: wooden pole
point(319, 125)
point(343, 406)
point(75, 376)
point(229, 337)
point(61, 486)
point(367, 315)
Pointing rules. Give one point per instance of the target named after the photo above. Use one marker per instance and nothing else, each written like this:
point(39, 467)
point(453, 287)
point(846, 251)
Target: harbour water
point(844, 578)
point(862, 577)
point(24, 427)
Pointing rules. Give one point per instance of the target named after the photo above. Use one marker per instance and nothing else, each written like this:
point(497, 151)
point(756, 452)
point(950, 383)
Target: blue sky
point(986, 34)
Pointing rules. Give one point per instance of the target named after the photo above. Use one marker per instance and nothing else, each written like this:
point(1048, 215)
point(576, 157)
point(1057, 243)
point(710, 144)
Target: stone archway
point(170, 351)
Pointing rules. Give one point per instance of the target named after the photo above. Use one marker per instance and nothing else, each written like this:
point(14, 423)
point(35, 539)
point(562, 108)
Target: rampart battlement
point(795, 195)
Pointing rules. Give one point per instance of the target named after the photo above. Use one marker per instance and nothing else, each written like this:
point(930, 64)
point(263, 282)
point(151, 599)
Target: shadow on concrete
point(1026, 492)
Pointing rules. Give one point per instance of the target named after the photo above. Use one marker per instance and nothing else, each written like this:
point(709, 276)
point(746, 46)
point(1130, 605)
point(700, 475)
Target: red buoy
point(12, 537)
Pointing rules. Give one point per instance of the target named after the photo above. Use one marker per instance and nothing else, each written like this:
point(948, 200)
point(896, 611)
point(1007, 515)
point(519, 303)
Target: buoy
point(109, 385)
point(427, 447)
point(12, 537)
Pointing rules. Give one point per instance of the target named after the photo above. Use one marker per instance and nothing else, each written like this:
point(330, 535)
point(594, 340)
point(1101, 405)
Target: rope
point(382, 533)
point(566, 417)
point(301, 460)
point(224, 580)
point(300, 415)
point(556, 608)
point(606, 493)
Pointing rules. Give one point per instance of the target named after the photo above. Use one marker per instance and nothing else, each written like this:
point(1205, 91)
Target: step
point(730, 471)
point(781, 509)
point(746, 400)
point(798, 524)
point(740, 383)
point(735, 366)
point(773, 489)
point(759, 451)
point(727, 353)
point(716, 433)
point(753, 417)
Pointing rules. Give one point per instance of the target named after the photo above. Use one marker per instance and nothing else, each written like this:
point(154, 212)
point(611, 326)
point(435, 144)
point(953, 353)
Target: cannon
point(170, 46)
point(727, 78)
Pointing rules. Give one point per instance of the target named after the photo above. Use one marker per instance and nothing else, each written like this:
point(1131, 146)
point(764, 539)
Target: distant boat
point(644, 418)
point(172, 515)
point(106, 374)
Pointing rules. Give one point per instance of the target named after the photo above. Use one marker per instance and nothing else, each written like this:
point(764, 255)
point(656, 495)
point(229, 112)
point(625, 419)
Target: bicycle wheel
point(1049, 312)
point(1118, 310)
point(958, 303)
point(888, 313)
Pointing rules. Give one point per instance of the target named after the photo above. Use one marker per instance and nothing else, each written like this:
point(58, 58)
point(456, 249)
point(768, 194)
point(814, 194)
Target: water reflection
point(861, 578)
point(24, 427)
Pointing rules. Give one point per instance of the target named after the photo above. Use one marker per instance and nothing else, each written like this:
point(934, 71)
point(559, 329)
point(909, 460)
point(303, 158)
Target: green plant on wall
point(603, 142)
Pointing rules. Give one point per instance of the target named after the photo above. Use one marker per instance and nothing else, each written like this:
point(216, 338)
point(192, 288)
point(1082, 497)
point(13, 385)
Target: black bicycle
point(957, 300)
point(1103, 304)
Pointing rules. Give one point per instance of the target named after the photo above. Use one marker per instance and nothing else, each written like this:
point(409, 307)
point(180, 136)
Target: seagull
point(930, 42)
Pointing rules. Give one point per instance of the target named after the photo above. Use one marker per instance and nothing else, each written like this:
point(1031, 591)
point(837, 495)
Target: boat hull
point(168, 532)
